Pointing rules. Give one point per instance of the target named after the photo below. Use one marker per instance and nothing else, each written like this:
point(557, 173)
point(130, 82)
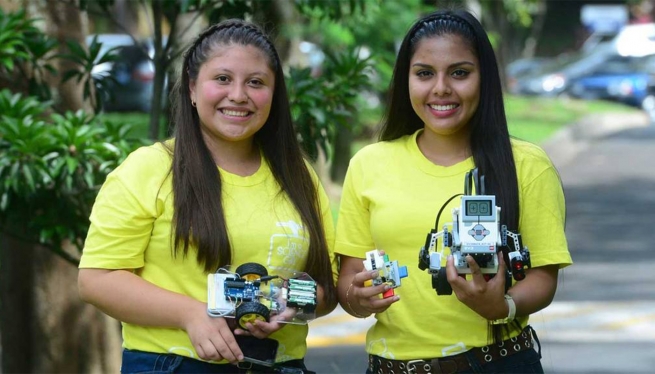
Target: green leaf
point(72, 164)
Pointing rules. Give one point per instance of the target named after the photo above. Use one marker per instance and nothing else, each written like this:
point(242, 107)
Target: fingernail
point(240, 357)
point(396, 298)
point(375, 274)
point(387, 288)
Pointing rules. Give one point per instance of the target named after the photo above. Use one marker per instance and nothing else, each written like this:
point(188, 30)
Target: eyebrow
point(256, 73)
point(457, 64)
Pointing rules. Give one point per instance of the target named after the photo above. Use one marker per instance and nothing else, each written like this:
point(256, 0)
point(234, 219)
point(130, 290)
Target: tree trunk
point(65, 21)
point(341, 154)
point(46, 328)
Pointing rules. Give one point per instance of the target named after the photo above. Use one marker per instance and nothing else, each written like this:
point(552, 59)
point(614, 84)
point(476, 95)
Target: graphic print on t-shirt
point(288, 249)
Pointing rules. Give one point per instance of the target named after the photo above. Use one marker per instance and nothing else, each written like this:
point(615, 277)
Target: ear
point(192, 90)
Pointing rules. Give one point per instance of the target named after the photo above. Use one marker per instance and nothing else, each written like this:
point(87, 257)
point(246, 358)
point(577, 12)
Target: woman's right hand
point(369, 298)
point(212, 337)
point(355, 296)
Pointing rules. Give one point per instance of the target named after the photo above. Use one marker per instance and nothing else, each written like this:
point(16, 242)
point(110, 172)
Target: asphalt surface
point(603, 317)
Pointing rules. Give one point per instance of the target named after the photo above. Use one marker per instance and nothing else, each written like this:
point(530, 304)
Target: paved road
point(603, 316)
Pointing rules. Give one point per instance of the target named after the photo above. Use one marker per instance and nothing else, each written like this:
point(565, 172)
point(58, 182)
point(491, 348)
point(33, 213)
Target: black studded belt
point(456, 363)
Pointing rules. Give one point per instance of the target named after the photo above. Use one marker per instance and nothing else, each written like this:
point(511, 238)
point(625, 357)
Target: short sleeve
point(353, 234)
point(123, 215)
point(543, 214)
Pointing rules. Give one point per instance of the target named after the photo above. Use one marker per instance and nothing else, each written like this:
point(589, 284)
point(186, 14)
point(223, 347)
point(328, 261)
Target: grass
point(535, 119)
point(139, 121)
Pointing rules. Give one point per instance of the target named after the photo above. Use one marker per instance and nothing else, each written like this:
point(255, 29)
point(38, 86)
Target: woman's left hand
point(484, 297)
point(262, 329)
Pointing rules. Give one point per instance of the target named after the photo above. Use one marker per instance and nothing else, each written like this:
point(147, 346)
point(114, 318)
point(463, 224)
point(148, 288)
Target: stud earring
point(193, 102)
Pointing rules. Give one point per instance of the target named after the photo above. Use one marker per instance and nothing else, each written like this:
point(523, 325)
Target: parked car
point(108, 42)
point(622, 79)
point(553, 77)
point(133, 73)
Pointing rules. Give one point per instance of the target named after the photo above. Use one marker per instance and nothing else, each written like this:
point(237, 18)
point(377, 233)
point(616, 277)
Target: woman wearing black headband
point(231, 187)
point(446, 117)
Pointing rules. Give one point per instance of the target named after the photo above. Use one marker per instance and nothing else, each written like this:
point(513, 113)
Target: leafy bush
point(320, 104)
point(51, 167)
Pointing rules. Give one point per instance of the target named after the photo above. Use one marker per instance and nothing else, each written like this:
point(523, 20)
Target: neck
point(240, 158)
point(444, 150)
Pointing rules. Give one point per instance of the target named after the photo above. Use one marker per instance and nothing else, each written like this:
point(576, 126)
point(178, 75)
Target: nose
point(441, 86)
point(238, 94)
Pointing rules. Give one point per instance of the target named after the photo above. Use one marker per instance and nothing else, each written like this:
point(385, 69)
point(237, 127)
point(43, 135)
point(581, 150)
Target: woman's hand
point(484, 297)
point(211, 337)
point(355, 297)
point(369, 298)
point(262, 329)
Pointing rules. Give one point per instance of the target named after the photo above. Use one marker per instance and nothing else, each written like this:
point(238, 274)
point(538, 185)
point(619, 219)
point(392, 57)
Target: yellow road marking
point(326, 342)
point(617, 325)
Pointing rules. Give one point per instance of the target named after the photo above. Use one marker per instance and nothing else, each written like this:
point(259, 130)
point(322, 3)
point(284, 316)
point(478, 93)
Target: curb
point(573, 139)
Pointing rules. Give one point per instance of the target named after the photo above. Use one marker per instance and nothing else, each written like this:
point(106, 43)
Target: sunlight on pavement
point(560, 322)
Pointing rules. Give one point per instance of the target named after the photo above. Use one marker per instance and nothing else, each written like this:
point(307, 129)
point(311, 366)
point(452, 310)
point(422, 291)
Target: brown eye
point(460, 73)
point(423, 73)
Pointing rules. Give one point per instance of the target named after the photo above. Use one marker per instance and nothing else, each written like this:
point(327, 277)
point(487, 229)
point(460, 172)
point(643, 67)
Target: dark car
point(622, 79)
point(132, 73)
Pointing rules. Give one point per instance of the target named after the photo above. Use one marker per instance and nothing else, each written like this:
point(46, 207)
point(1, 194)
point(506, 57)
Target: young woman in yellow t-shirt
point(232, 187)
point(446, 117)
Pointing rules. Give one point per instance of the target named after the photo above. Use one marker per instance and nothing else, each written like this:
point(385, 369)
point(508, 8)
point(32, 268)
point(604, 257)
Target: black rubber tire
point(440, 283)
point(251, 311)
point(251, 271)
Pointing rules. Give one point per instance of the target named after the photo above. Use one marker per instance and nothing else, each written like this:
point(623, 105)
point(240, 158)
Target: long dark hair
point(199, 216)
point(489, 139)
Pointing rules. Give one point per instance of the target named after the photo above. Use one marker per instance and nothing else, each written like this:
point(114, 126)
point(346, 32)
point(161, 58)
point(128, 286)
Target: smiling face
point(444, 84)
point(233, 94)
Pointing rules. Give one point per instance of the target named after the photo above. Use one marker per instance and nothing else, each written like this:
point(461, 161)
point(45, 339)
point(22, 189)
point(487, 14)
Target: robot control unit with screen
point(475, 231)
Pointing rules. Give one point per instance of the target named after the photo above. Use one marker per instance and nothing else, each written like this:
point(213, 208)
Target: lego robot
point(475, 230)
point(250, 294)
point(388, 271)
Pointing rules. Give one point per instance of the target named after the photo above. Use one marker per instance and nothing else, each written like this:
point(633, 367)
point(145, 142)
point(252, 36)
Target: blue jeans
point(160, 363)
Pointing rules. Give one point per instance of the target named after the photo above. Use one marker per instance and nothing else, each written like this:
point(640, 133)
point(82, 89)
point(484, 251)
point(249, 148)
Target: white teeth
point(234, 113)
point(444, 107)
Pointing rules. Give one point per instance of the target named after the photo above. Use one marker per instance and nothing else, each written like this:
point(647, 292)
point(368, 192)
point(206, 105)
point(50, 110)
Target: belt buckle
point(411, 365)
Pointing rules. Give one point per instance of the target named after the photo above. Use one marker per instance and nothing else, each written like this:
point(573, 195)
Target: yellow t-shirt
point(391, 197)
point(131, 229)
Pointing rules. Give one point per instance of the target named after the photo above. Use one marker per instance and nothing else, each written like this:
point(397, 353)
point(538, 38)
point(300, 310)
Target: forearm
point(128, 298)
point(349, 268)
point(324, 306)
point(536, 291)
